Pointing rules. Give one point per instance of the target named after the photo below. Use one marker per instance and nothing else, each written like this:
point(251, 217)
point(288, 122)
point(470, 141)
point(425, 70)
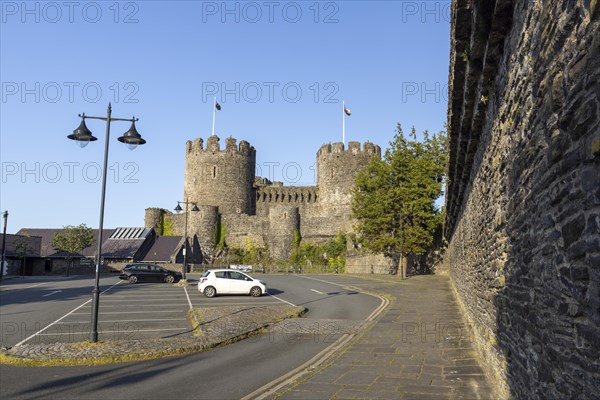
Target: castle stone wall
point(298, 196)
point(221, 177)
point(337, 167)
point(241, 227)
point(153, 216)
point(221, 182)
point(203, 224)
point(523, 199)
point(283, 222)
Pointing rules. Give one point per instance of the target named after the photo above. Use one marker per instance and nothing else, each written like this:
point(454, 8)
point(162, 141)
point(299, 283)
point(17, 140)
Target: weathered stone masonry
point(223, 184)
point(523, 195)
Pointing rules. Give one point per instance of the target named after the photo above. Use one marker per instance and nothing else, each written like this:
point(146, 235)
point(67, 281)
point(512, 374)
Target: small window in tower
point(214, 171)
point(284, 215)
point(332, 172)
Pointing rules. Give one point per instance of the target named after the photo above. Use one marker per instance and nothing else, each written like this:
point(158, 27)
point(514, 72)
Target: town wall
point(523, 193)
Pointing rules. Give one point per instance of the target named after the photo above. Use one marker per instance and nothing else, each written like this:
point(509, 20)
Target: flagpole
point(214, 114)
point(343, 122)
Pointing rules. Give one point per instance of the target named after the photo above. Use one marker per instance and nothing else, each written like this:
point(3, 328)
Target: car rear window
point(204, 275)
point(220, 274)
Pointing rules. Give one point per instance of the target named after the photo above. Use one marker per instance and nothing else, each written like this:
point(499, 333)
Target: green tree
point(22, 248)
point(394, 198)
point(73, 241)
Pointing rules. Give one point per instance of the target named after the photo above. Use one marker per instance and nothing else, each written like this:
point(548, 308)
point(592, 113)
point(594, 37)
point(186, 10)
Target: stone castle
point(223, 185)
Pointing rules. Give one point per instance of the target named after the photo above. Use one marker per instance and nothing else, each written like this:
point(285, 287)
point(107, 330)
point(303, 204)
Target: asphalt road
point(226, 373)
point(31, 304)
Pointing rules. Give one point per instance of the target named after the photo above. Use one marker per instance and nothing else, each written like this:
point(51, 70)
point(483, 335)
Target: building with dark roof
point(128, 244)
point(47, 234)
point(21, 253)
point(120, 245)
point(165, 249)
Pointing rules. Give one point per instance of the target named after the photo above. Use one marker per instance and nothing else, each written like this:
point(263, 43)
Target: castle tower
point(153, 217)
point(336, 171)
point(283, 222)
point(221, 178)
point(203, 224)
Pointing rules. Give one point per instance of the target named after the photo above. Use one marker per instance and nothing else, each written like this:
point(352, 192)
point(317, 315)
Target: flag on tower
point(347, 111)
point(218, 106)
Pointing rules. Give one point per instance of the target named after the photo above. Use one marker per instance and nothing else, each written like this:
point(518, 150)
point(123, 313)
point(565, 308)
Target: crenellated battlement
point(353, 148)
point(287, 194)
point(213, 146)
point(221, 177)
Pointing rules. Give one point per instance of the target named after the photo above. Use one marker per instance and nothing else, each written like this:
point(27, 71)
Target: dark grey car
point(148, 273)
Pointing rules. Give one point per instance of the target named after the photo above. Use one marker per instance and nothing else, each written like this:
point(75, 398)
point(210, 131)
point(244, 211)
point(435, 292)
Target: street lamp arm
point(111, 118)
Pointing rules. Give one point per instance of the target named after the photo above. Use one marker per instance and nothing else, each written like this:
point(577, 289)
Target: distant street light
point(5, 215)
point(178, 209)
point(83, 136)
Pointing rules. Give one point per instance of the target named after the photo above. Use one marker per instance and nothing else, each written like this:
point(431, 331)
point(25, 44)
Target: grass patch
point(99, 360)
point(196, 318)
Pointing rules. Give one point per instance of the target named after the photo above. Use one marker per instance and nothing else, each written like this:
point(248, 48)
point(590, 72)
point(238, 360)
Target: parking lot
point(137, 311)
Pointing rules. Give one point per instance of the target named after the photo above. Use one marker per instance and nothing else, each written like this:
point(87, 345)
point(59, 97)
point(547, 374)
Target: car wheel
point(210, 291)
point(133, 279)
point(169, 279)
point(255, 291)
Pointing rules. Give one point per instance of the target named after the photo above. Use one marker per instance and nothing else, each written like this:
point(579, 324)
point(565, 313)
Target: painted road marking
point(51, 293)
point(126, 312)
point(61, 318)
point(105, 332)
point(262, 303)
point(146, 300)
point(280, 299)
point(316, 291)
point(9, 290)
point(122, 320)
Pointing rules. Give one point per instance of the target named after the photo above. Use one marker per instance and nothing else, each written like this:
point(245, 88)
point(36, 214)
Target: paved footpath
point(419, 348)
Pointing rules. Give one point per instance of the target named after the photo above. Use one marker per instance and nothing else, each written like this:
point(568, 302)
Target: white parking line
point(143, 305)
point(105, 332)
point(316, 291)
point(121, 320)
point(146, 300)
point(61, 318)
point(192, 308)
point(235, 304)
point(280, 299)
point(126, 312)
point(121, 296)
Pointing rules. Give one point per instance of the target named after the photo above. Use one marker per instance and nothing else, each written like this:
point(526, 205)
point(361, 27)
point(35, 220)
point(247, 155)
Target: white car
point(243, 268)
point(226, 281)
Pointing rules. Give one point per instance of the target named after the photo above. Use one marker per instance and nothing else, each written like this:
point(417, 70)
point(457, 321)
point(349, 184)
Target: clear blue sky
point(280, 71)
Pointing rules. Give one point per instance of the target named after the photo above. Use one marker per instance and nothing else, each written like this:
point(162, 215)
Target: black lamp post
point(178, 209)
point(5, 215)
point(83, 136)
